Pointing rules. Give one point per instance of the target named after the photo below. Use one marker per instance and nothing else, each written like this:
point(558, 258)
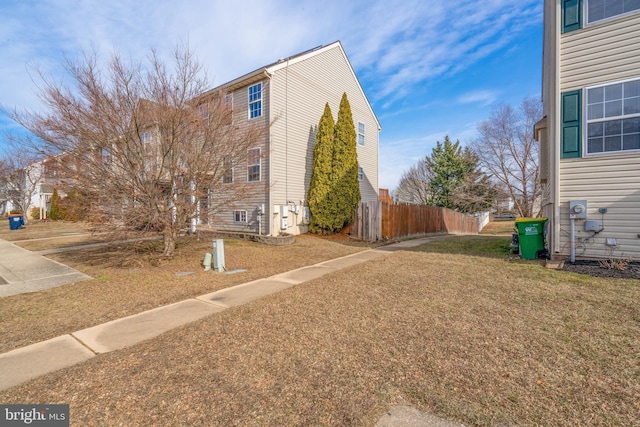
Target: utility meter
point(578, 209)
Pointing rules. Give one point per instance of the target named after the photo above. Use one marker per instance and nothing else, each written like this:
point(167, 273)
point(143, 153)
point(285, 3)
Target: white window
point(613, 117)
point(240, 216)
point(360, 133)
point(105, 154)
point(227, 109)
point(597, 10)
point(228, 101)
point(255, 100)
point(360, 173)
point(145, 137)
point(253, 165)
point(227, 177)
point(204, 110)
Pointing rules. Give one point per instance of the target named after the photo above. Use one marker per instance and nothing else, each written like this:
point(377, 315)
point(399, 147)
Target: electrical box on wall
point(284, 211)
point(592, 225)
point(578, 209)
point(284, 224)
point(306, 216)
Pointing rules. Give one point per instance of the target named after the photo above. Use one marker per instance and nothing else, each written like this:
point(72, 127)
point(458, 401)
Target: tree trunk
point(170, 236)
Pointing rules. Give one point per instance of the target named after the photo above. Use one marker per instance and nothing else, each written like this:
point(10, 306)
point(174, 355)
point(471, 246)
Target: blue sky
point(430, 68)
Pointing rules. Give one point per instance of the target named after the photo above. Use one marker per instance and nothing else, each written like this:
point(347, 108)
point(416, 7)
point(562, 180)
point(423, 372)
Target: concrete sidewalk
point(29, 362)
point(25, 271)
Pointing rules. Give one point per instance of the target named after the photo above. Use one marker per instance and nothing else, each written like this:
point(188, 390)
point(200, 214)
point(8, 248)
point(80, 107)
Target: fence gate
point(367, 223)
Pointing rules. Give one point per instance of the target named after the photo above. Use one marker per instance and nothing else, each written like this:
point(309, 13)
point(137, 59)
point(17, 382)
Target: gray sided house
point(289, 96)
point(590, 134)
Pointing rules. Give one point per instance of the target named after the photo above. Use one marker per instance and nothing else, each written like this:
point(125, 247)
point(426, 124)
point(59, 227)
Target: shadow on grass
point(126, 255)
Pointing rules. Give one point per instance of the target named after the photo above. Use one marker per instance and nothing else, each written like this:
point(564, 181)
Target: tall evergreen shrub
point(321, 185)
point(346, 192)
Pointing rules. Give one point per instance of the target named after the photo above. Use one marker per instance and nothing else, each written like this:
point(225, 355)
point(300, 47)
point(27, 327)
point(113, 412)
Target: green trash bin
point(530, 236)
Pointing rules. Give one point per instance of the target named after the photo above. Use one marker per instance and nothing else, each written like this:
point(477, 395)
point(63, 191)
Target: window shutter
point(571, 15)
point(571, 141)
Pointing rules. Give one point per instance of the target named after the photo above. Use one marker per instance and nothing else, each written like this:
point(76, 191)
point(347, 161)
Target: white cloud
point(437, 38)
point(396, 45)
point(482, 97)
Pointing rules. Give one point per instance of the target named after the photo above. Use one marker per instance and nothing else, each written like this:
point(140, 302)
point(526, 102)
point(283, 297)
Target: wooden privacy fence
point(377, 220)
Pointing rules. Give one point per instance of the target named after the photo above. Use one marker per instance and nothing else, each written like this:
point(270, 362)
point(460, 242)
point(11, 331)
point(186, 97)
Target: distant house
point(290, 95)
point(28, 190)
point(504, 203)
point(590, 134)
point(412, 191)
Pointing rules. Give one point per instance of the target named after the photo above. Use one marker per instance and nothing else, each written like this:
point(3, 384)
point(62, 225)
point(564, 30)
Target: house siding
point(598, 54)
point(300, 91)
point(254, 193)
point(610, 183)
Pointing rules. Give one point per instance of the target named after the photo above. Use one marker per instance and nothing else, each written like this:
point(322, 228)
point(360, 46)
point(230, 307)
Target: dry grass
point(499, 227)
point(474, 338)
point(130, 278)
point(42, 230)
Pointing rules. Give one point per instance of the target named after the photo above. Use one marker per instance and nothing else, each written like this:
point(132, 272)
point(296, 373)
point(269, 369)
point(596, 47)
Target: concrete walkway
point(26, 363)
point(25, 271)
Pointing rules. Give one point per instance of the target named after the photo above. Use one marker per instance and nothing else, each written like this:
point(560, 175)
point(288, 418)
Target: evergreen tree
point(448, 167)
point(321, 185)
point(346, 193)
point(457, 181)
point(476, 192)
point(54, 210)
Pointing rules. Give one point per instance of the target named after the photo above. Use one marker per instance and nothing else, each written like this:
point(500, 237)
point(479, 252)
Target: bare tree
point(507, 150)
point(20, 177)
point(414, 184)
point(476, 192)
point(449, 177)
point(144, 143)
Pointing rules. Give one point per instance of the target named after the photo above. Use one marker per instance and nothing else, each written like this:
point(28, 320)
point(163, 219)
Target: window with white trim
point(253, 165)
point(227, 109)
point(227, 177)
point(613, 117)
point(145, 137)
point(228, 101)
point(360, 173)
point(240, 216)
point(597, 10)
point(203, 109)
point(360, 133)
point(255, 100)
point(105, 154)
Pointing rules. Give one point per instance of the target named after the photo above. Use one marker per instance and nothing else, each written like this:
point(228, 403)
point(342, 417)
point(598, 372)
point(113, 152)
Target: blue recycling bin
point(16, 222)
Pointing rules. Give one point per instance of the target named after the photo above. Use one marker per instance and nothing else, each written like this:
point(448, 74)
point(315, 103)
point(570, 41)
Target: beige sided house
point(290, 94)
point(590, 134)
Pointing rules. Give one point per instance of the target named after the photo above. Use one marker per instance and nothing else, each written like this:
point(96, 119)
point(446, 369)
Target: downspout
point(556, 130)
point(268, 215)
point(286, 133)
point(194, 207)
